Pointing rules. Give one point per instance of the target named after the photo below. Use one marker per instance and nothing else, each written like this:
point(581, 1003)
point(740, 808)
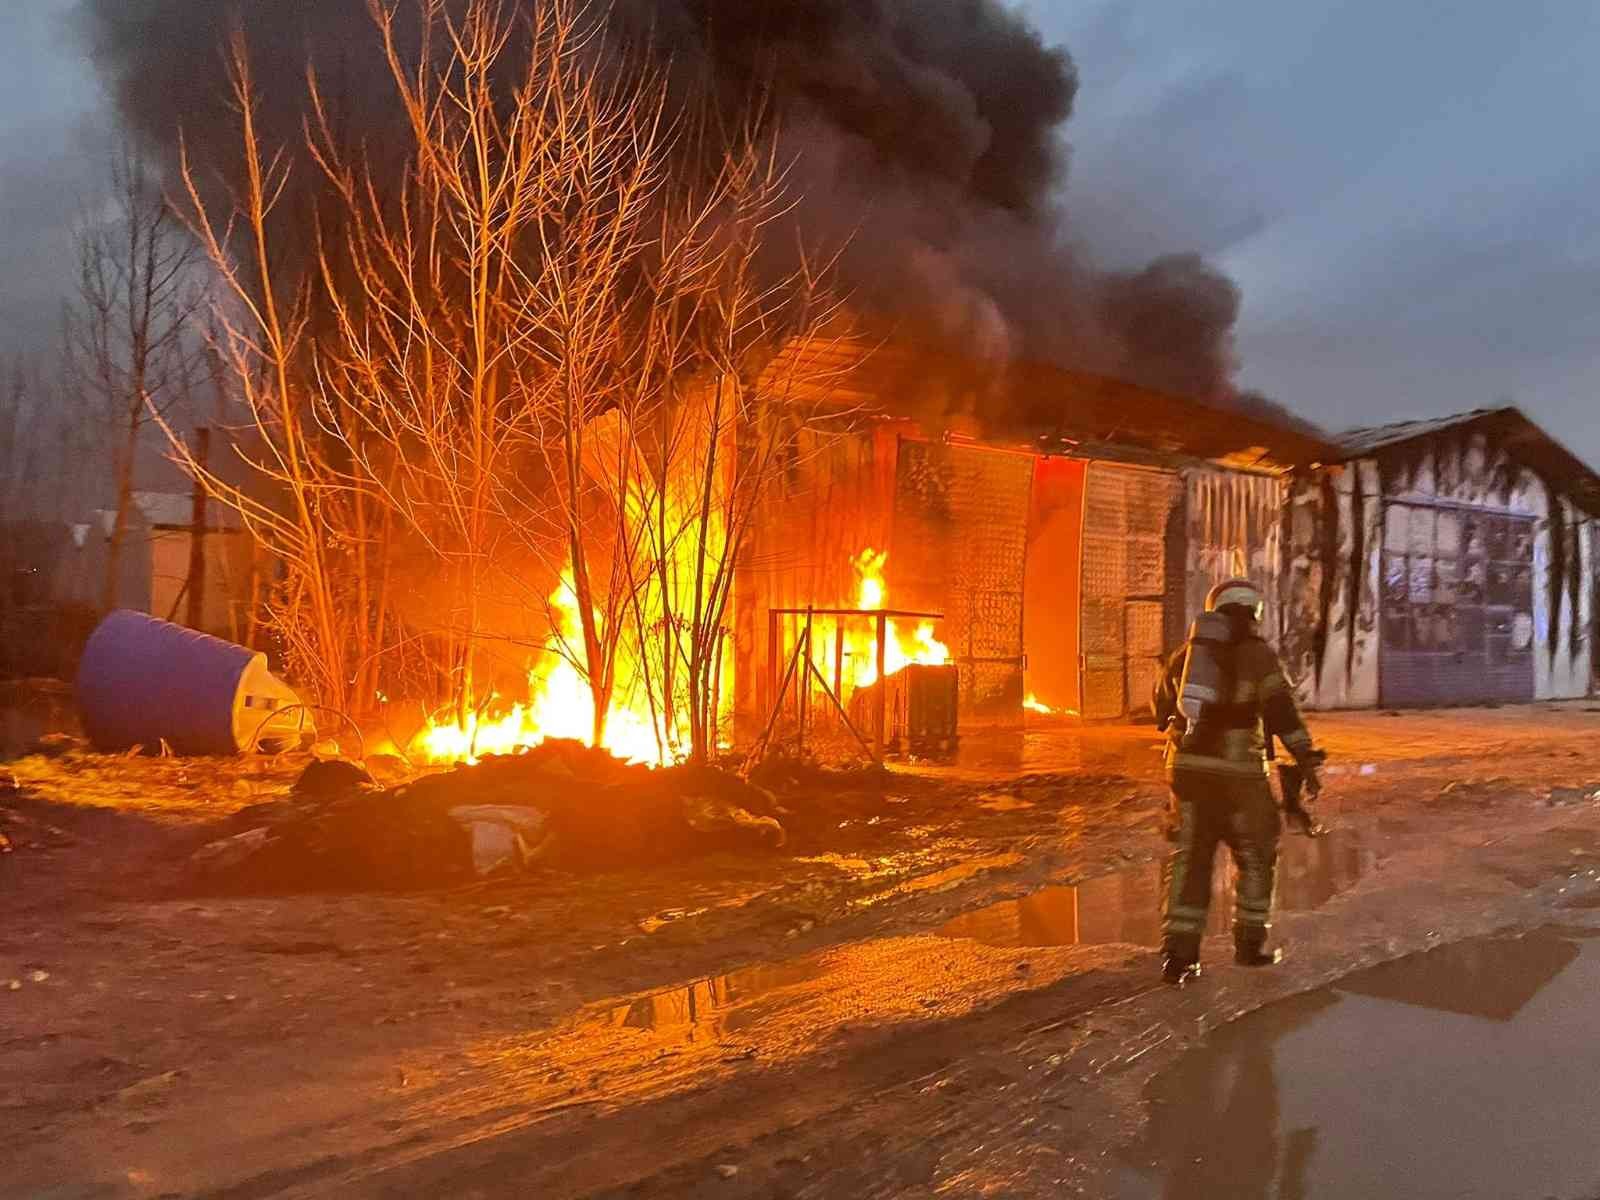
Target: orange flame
point(681, 541)
point(559, 705)
point(1033, 704)
point(860, 650)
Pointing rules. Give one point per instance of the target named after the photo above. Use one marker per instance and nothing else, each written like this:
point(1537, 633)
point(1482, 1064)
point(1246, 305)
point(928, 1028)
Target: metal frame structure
point(880, 617)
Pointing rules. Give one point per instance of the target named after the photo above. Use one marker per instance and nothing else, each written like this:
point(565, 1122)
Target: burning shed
point(1051, 567)
point(1443, 562)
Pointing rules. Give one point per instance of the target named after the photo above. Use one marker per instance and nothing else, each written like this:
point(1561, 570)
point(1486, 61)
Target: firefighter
point(1220, 700)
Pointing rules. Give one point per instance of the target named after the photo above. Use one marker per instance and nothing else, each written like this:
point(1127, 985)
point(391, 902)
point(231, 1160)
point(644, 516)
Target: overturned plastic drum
point(147, 682)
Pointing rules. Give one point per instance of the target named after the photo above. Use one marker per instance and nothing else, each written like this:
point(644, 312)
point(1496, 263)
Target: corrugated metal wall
point(1353, 597)
point(833, 501)
point(1329, 635)
point(1537, 609)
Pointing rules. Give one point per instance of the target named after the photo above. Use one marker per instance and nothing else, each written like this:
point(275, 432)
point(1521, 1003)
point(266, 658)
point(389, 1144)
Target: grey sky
point(1405, 190)
point(49, 104)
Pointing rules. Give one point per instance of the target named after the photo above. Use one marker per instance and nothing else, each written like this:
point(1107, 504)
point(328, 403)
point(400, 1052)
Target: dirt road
point(944, 985)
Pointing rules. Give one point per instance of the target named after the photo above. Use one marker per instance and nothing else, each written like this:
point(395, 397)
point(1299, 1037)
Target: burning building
point(1024, 518)
point(1427, 563)
point(1063, 561)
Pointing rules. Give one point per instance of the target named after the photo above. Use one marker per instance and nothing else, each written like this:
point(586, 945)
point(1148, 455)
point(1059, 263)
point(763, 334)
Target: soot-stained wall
point(1332, 585)
point(1329, 586)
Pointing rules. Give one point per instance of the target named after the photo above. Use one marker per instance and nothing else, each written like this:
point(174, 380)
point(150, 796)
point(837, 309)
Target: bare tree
point(296, 508)
point(532, 333)
point(749, 390)
point(131, 344)
point(483, 312)
point(19, 449)
point(594, 376)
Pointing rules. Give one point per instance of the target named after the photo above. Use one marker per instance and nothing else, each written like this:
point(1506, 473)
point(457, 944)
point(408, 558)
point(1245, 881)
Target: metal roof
point(1036, 405)
point(1356, 442)
point(1508, 429)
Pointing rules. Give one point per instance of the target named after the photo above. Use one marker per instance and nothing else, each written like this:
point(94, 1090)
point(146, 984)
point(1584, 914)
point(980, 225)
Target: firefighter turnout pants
point(1240, 812)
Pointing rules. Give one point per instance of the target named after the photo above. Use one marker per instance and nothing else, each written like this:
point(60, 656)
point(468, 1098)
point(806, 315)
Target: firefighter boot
point(1182, 961)
point(1249, 947)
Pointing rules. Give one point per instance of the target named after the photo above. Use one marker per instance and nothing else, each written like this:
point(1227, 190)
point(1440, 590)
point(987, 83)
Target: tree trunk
point(119, 522)
point(197, 534)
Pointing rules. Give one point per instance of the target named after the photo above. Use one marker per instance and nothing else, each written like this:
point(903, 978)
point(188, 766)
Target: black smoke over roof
point(927, 139)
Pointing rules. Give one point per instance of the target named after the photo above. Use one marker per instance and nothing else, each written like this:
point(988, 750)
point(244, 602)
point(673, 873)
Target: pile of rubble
point(561, 804)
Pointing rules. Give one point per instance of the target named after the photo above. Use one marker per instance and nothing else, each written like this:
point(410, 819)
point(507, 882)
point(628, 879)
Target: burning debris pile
point(561, 804)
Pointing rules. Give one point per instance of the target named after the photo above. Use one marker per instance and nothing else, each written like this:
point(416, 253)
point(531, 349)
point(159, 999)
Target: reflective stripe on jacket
point(1261, 707)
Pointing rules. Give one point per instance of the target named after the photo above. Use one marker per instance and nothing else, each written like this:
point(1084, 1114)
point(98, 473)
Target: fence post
point(197, 533)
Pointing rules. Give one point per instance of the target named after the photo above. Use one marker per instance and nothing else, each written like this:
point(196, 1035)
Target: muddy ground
point(863, 1013)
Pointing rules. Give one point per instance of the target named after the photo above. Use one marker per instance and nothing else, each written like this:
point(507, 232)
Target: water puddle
point(669, 916)
point(1467, 1071)
point(1130, 751)
point(1126, 906)
point(938, 881)
point(723, 1003)
point(852, 866)
point(677, 1037)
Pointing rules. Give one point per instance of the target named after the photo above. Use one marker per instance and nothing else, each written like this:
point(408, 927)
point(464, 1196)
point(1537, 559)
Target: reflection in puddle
point(1467, 1071)
point(1126, 907)
point(1115, 908)
point(936, 881)
point(719, 1002)
point(1003, 802)
point(1131, 751)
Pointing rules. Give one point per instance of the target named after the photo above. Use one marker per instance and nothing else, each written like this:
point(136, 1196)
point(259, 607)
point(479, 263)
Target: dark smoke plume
point(926, 137)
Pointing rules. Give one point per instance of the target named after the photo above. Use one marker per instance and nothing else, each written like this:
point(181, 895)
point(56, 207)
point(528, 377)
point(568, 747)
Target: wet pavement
point(1051, 745)
point(1120, 908)
point(948, 989)
point(1125, 907)
point(1466, 1071)
point(678, 1039)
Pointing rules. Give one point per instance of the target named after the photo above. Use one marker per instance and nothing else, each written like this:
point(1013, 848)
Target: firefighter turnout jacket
point(1234, 736)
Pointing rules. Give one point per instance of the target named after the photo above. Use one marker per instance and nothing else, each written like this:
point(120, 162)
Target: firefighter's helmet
point(1239, 593)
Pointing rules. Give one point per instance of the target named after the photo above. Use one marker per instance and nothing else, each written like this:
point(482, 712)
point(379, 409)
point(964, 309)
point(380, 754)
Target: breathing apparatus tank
point(1205, 666)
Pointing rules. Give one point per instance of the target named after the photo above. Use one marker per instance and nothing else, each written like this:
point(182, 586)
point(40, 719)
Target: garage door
point(1128, 606)
point(1457, 606)
point(960, 541)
